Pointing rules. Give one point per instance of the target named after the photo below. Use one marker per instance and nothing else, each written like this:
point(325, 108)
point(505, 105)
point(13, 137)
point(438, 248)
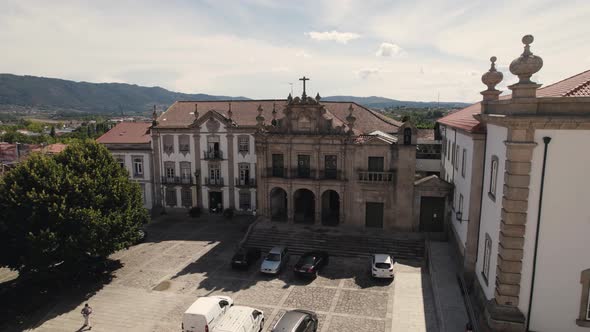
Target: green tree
point(58, 210)
point(52, 132)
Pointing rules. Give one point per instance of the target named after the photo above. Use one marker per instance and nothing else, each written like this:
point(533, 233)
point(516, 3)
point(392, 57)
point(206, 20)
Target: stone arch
point(330, 208)
point(278, 204)
point(304, 206)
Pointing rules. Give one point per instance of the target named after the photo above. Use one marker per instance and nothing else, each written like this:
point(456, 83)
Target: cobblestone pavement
point(181, 261)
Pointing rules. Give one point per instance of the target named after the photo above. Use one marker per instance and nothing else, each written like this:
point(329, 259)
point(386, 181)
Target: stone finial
point(154, 117)
point(196, 111)
point(317, 97)
point(274, 111)
point(229, 112)
point(289, 99)
point(526, 64)
point(350, 118)
point(260, 117)
point(491, 78)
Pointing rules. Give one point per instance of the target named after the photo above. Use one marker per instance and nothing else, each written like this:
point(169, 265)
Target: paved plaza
point(183, 260)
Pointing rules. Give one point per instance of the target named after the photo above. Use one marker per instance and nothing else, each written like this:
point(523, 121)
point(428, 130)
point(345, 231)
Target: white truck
point(205, 312)
point(240, 319)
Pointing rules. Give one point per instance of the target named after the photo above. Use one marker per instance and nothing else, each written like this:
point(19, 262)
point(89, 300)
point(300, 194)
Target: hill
point(52, 93)
point(381, 102)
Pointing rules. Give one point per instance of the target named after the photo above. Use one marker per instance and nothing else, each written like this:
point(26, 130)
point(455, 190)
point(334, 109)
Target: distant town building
point(518, 164)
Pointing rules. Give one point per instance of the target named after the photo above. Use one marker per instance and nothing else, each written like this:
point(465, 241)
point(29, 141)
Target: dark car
point(244, 257)
point(310, 263)
point(297, 321)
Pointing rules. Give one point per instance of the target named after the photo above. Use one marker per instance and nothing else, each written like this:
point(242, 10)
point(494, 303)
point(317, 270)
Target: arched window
point(407, 136)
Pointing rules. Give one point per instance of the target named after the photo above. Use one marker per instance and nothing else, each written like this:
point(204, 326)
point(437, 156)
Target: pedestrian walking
point(86, 311)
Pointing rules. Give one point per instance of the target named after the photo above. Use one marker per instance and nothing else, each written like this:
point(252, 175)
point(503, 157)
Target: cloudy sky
point(409, 50)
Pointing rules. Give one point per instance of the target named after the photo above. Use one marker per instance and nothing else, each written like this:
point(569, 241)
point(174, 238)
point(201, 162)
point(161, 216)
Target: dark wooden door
point(432, 214)
point(374, 215)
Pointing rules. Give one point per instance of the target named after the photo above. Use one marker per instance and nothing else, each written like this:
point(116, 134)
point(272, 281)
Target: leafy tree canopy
point(58, 210)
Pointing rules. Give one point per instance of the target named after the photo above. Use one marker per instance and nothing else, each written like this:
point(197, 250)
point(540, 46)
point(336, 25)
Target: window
point(407, 136)
point(277, 165)
point(463, 162)
point(460, 210)
point(243, 144)
point(303, 163)
point(330, 166)
point(245, 200)
point(376, 164)
point(168, 142)
point(493, 177)
point(121, 161)
point(486, 258)
point(456, 156)
point(185, 172)
point(213, 151)
point(184, 144)
point(138, 167)
point(244, 178)
point(584, 316)
point(171, 197)
point(169, 169)
point(186, 197)
point(214, 172)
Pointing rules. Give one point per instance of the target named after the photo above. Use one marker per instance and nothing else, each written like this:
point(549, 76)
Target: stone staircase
point(336, 241)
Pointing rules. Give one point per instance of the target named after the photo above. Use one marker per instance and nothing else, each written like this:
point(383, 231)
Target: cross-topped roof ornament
point(304, 95)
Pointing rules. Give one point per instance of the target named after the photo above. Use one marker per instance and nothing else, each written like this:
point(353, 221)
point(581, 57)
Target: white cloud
point(340, 37)
point(302, 54)
point(365, 73)
point(388, 49)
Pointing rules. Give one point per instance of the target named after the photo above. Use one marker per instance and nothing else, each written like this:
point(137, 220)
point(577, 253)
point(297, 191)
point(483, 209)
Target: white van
point(240, 319)
point(204, 312)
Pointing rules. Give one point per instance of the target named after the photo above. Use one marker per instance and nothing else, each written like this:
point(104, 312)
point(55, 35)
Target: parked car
point(297, 321)
point(382, 266)
point(274, 261)
point(240, 319)
point(244, 257)
point(310, 263)
point(204, 312)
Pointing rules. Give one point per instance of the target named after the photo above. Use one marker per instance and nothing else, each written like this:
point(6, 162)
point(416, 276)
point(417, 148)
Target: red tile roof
point(51, 148)
point(575, 86)
point(127, 132)
point(244, 113)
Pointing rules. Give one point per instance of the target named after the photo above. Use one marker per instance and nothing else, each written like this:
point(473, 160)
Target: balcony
point(331, 174)
point(177, 180)
point(276, 172)
point(214, 182)
point(212, 155)
point(375, 177)
point(303, 173)
point(245, 183)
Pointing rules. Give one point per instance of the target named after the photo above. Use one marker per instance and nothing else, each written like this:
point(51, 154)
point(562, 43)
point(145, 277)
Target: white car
point(382, 266)
point(240, 319)
point(274, 261)
point(204, 313)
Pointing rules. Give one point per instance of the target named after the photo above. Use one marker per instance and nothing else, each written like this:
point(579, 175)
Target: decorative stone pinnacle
point(154, 114)
point(229, 112)
point(527, 63)
point(492, 77)
point(350, 118)
point(317, 97)
point(196, 111)
point(274, 111)
point(260, 117)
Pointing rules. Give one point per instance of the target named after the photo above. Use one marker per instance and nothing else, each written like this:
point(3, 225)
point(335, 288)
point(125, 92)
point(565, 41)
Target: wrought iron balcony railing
point(214, 182)
point(383, 177)
point(212, 155)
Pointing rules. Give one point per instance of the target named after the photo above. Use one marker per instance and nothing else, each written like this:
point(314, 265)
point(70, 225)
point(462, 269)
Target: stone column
point(290, 204)
point(198, 171)
point(230, 170)
point(519, 153)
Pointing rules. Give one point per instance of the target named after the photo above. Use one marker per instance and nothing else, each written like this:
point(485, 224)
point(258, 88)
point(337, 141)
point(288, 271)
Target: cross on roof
point(304, 79)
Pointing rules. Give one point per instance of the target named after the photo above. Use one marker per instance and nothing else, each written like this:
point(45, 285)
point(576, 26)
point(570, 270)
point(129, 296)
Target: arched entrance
point(278, 204)
point(330, 208)
point(304, 206)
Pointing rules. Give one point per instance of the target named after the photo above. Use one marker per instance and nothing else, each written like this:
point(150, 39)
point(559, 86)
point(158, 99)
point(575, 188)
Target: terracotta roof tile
point(51, 148)
point(127, 132)
point(244, 113)
point(575, 86)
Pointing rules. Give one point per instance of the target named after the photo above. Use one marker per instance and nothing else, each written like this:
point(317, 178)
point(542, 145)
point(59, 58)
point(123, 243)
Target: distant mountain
point(52, 93)
point(381, 102)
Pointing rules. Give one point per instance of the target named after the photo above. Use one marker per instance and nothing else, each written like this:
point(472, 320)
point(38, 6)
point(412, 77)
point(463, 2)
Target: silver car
point(297, 320)
point(274, 261)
